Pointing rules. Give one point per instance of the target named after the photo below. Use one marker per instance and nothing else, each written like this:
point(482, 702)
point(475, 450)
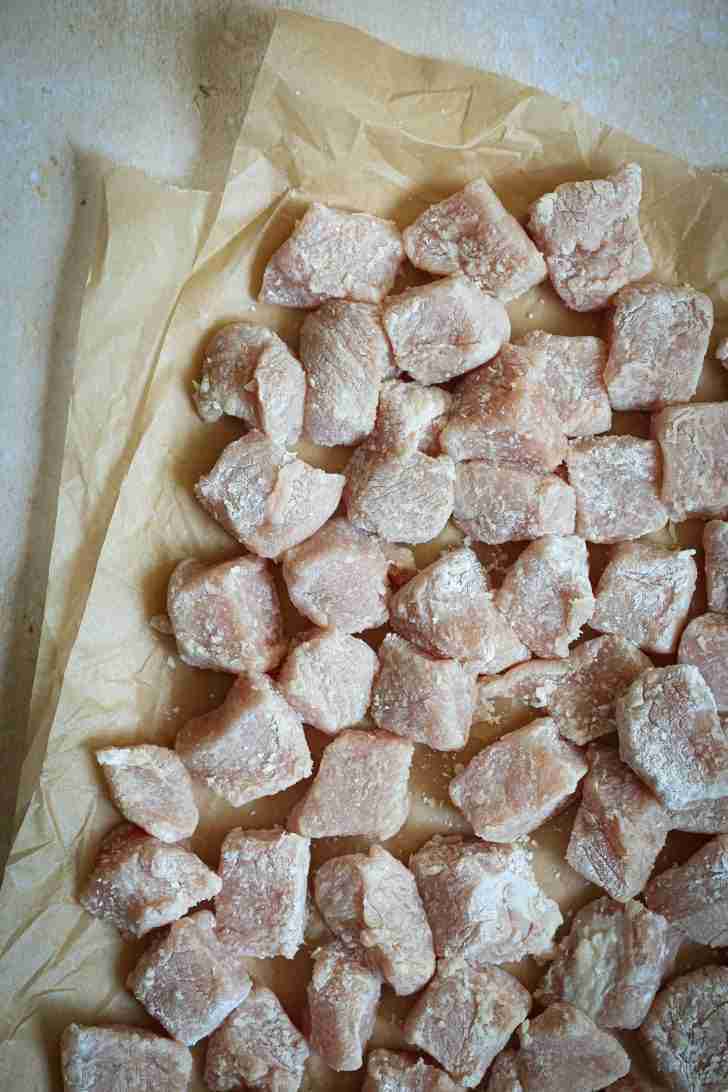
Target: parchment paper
point(336, 117)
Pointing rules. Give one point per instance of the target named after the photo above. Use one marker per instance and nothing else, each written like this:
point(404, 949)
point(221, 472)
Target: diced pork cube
point(139, 883)
point(514, 785)
point(589, 233)
point(532, 684)
point(403, 498)
point(670, 734)
point(187, 981)
point(334, 254)
point(704, 644)
point(694, 444)
point(390, 1071)
point(466, 1016)
point(619, 828)
point(257, 1047)
point(658, 338)
point(360, 788)
point(261, 909)
point(705, 817)
point(694, 896)
point(327, 678)
point(98, 1059)
point(151, 787)
point(715, 545)
point(226, 617)
point(496, 506)
point(617, 484)
point(253, 745)
point(302, 501)
point(644, 594)
point(483, 902)
point(503, 1076)
point(343, 995)
point(444, 329)
point(546, 594)
point(410, 418)
point(574, 377)
point(563, 1049)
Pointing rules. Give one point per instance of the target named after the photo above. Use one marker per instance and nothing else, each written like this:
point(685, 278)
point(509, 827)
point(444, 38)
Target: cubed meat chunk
point(503, 1076)
point(98, 1059)
point(589, 234)
point(658, 338)
point(466, 1016)
point(253, 745)
point(611, 964)
point(334, 255)
point(444, 329)
point(574, 377)
point(503, 505)
point(226, 617)
point(546, 594)
point(261, 909)
point(532, 684)
point(139, 883)
point(151, 787)
point(514, 785)
point(360, 788)
point(343, 995)
point(372, 901)
point(694, 896)
point(327, 678)
point(258, 1047)
point(187, 981)
point(705, 817)
point(704, 644)
point(346, 355)
point(619, 828)
point(694, 444)
point(503, 414)
point(563, 1049)
point(402, 498)
point(482, 901)
point(248, 372)
point(644, 594)
point(685, 1035)
point(616, 480)
point(670, 734)
point(715, 545)
point(390, 1071)
point(410, 418)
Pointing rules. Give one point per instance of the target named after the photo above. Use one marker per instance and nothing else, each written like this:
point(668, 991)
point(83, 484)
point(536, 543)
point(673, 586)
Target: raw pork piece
point(546, 594)
point(466, 1016)
point(694, 443)
point(410, 418)
point(721, 352)
point(589, 233)
point(617, 484)
point(187, 980)
point(705, 817)
point(102, 1059)
point(339, 578)
point(503, 1076)
point(360, 788)
point(327, 678)
point(334, 254)
point(139, 883)
point(300, 504)
point(226, 617)
point(694, 896)
point(574, 377)
point(611, 964)
point(151, 787)
point(532, 684)
point(447, 609)
point(390, 1071)
point(258, 1047)
point(482, 901)
point(502, 413)
point(715, 545)
point(644, 594)
point(252, 745)
point(670, 734)
point(599, 671)
point(685, 1035)
point(343, 995)
point(346, 355)
point(422, 698)
point(248, 372)
point(515, 784)
point(619, 828)
point(261, 909)
point(444, 329)
point(505, 505)
point(562, 1050)
point(372, 901)
point(704, 644)
point(403, 498)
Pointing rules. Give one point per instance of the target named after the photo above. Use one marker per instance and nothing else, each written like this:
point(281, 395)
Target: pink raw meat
point(562, 1049)
point(403, 498)
point(503, 1076)
point(102, 1059)
point(715, 545)
point(694, 896)
point(390, 1071)
point(532, 684)
point(574, 377)
point(343, 995)
point(503, 505)
point(704, 644)
point(327, 678)
point(151, 787)
point(694, 443)
point(410, 418)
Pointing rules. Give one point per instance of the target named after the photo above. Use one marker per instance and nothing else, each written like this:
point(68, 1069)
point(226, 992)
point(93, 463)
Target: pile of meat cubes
point(449, 421)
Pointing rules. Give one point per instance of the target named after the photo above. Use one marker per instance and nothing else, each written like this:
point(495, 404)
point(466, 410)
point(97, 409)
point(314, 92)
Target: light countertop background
point(163, 85)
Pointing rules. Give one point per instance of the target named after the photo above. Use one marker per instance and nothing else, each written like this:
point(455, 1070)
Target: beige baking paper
point(340, 118)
